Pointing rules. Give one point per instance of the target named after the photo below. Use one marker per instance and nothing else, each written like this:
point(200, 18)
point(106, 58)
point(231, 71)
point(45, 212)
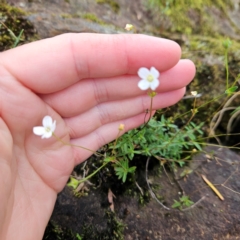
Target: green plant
point(15, 38)
point(231, 93)
point(78, 237)
point(122, 169)
point(158, 138)
point(178, 14)
point(113, 4)
point(92, 17)
point(184, 201)
point(14, 27)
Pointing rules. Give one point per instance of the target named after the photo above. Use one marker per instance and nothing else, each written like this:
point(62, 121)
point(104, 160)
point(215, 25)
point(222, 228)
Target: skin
point(88, 84)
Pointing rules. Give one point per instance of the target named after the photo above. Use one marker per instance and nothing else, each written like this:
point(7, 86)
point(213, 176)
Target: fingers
point(86, 94)
point(7, 175)
point(56, 63)
point(105, 113)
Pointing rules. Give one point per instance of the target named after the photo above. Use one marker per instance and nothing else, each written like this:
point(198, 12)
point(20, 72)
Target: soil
point(137, 215)
point(212, 218)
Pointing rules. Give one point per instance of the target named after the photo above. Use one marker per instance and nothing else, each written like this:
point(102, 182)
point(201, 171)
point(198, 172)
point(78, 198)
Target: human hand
point(88, 84)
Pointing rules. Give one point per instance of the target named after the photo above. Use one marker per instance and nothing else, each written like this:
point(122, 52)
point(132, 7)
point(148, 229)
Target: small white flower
point(129, 27)
point(149, 78)
point(194, 93)
point(47, 129)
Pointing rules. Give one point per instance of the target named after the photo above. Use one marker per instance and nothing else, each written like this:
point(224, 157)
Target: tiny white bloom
point(129, 27)
point(149, 78)
point(194, 93)
point(47, 129)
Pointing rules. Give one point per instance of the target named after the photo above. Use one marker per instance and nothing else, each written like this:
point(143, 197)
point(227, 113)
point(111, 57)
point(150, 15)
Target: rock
point(212, 218)
point(52, 18)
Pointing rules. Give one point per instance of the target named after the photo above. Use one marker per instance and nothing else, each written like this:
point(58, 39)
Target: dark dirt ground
point(90, 215)
point(210, 219)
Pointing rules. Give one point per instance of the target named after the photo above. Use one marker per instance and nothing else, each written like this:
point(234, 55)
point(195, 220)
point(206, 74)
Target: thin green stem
point(115, 143)
point(226, 67)
point(92, 174)
point(216, 98)
point(190, 119)
point(200, 143)
point(150, 112)
point(73, 145)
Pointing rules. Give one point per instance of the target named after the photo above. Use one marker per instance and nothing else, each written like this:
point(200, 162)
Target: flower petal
point(143, 72)
point(143, 84)
point(39, 131)
point(154, 72)
point(154, 84)
point(53, 127)
point(47, 134)
point(47, 121)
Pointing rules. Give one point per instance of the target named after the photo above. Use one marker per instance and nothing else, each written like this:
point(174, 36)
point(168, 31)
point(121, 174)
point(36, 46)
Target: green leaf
point(186, 201)
point(181, 163)
point(176, 204)
point(78, 237)
point(17, 39)
point(236, 110)
point(231, 90)
point(197, 146)
point(124, 177)
point(131, 169)
point(108, 159)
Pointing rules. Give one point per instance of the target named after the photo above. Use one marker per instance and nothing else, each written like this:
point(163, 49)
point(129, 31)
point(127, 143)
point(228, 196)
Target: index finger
point(51, 65)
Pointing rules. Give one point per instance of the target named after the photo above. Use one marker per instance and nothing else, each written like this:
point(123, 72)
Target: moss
point(190, 24)
point(87, 16)
point(93, 18)
point(66, 15)
point(115, 229)
point(208, 55)
point(186, 16)
point(54, 231)
point(14, 19)
point(113, 4)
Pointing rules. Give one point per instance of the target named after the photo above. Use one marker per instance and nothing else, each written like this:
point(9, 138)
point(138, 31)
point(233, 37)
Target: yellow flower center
point(47, 129)
point(150, 78)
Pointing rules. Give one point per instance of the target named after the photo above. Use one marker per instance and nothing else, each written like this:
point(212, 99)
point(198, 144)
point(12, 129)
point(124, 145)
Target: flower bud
point(121, 127)
point(129, 27)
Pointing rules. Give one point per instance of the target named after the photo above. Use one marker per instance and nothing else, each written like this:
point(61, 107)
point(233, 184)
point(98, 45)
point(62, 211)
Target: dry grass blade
point(212, 187)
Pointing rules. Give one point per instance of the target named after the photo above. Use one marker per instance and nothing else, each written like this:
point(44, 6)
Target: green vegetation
point(14, 28)
point(187, 16)
point(93, 18)
point(159, 138)
point(172, 136)
point(184, 201)
point(197, 27)
point(113, 4)
point(114, 229)
point(54, 231)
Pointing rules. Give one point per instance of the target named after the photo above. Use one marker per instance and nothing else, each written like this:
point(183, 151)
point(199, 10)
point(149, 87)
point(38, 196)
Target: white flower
point(149, 78)
point(129, 27)
point(47, 129)
point(194, 93)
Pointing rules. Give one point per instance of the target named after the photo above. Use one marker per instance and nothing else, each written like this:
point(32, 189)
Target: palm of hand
point(35, 169)
point(87, 112)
